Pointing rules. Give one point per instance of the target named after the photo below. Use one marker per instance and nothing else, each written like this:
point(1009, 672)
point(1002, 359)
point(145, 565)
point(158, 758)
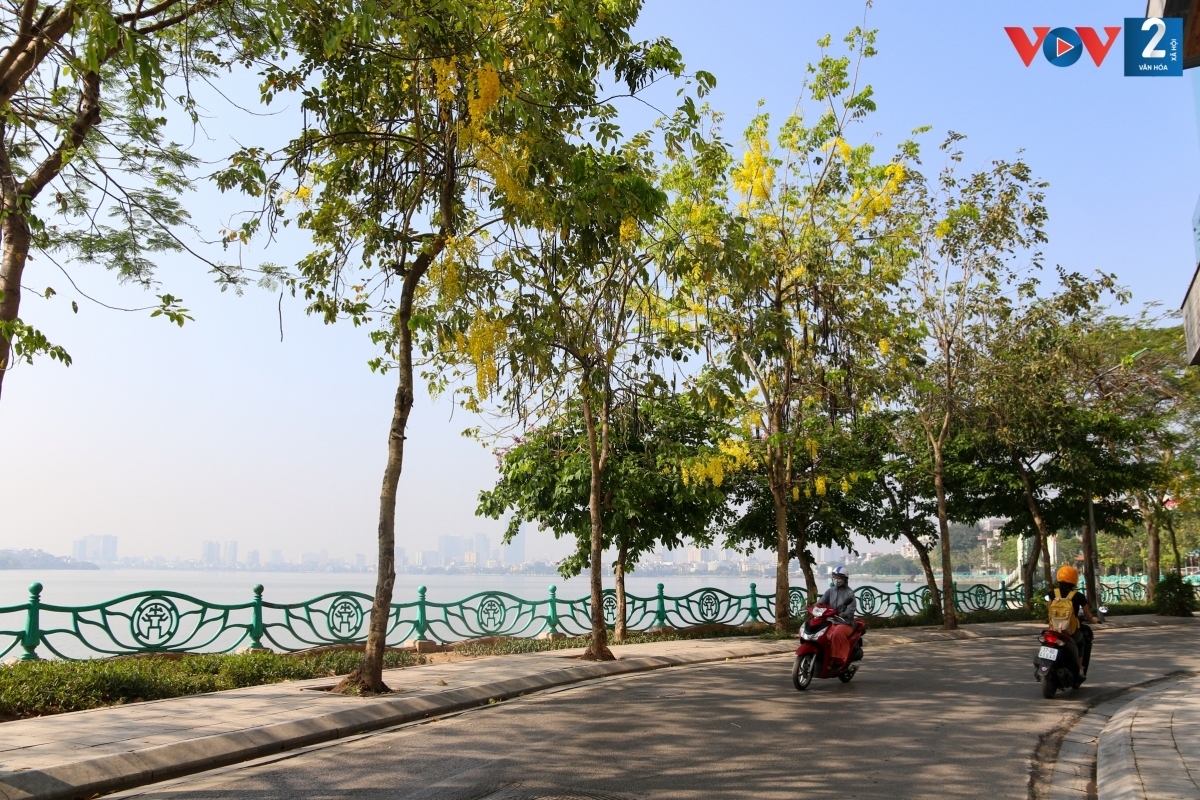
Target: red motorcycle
point(812, 657)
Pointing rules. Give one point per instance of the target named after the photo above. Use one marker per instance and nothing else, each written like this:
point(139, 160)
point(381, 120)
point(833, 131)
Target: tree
point(545, 477)
point(1136, 370)
point(787, 261)
point(971, 229)
point(426, 124)
point(1023, 418)
point(575, 306)
point(87, 171)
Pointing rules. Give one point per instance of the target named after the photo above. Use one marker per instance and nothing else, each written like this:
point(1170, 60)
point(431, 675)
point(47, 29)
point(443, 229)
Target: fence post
point(552, 620)
point(753, 602)
point(1003, 594)
point(660, 609)
point(954, 595)
point(256, 627)
point(422, 623)
point(899, 600)
point(33, 632)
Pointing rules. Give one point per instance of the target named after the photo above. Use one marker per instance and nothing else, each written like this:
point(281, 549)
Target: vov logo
point(1062, 47)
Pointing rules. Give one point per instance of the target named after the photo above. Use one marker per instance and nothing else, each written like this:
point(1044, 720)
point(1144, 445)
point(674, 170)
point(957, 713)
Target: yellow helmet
point(1067, 574)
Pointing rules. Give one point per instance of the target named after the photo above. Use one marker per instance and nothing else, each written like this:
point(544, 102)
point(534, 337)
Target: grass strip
point(37, 688)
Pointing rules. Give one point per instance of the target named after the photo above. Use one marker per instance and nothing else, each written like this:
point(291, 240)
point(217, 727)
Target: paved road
point(946, 720)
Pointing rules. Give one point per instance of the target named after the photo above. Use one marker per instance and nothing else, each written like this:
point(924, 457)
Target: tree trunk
point(598, 648)
point(935, 595)
point(1039, 522)
point(369, 676)
point(939, 486)
point(1091, 581)
point(810, 579)
point(1175, 548)
point(1047, 567)
point(1028, 567)
point(16, 240)
point(1153, 556)
point(619, 626)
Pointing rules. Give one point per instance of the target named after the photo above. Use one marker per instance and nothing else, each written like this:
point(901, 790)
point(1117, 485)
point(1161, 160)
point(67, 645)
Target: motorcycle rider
point(840, 597)
point(1067, 579)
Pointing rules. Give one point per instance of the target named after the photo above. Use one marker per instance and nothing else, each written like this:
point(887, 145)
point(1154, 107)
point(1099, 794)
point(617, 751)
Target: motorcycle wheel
point(848, 674)
point(802, 671)
point(1048, 687)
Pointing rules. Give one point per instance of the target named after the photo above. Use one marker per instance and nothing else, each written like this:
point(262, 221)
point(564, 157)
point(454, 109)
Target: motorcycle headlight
point(806, 636)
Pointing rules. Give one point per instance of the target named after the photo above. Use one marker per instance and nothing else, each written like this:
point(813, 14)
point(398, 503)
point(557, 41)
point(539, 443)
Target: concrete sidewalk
point(1150, 749)
point(102, 750)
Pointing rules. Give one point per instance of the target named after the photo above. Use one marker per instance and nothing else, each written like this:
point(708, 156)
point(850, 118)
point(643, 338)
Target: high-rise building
point(514, 551)
point(210, 554)
point(229, 555)
point(454, 548)
point(252, 559)
point(360, 559)
point(483, 548)
point(429, 558)
point(99, 549)
point(277, 557)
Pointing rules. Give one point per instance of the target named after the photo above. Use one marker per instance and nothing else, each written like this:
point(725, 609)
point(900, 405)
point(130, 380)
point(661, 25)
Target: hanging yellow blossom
point(845, 486)
point(629, 230)
point(445, 78)
point(811, 445)
point(795, 493)
point(487, 93)
point(821, 485)
point(884, 347)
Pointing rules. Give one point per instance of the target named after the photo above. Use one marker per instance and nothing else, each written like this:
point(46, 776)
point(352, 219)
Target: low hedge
point(36, 688)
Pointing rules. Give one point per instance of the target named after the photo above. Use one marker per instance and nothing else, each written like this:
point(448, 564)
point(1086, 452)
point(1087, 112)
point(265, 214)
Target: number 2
point(1152, 50)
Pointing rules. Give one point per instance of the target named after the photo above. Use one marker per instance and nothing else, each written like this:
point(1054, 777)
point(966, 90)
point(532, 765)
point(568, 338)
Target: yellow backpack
point(1062, 613)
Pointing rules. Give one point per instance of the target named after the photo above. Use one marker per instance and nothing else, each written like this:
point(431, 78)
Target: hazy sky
point(166, 437)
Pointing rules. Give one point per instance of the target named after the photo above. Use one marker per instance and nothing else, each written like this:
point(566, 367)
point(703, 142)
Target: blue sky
point(166, 437)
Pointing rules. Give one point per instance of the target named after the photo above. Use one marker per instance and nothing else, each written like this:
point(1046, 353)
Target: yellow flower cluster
point(482, 342)
point(445, 75)
point(732, 455)
point(487, 93)
point(822, 485)
point(884, 347)
point(629, 230)
point(756, 176)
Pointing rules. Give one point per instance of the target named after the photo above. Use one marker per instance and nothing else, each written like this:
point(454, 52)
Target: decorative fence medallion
point(709, 605)
point(870, 600)
point(610, 608)
point(491, 614)
point(796, 603)
point(154, 622)
point(345, 617)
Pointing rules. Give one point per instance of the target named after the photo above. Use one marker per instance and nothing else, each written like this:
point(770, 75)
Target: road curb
point(1142, 755)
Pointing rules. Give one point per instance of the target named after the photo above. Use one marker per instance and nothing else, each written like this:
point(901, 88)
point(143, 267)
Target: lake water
point(83, 587)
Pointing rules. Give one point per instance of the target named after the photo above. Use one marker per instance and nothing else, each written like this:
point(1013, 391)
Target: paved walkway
point(1150, 749)
point(86, 752)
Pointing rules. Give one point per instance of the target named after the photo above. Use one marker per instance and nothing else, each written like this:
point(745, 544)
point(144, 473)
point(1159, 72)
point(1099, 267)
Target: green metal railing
point(171, 622)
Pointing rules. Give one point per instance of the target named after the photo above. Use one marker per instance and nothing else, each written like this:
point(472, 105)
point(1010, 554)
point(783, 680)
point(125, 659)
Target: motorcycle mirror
point(1103, 609)
point(1047, 598)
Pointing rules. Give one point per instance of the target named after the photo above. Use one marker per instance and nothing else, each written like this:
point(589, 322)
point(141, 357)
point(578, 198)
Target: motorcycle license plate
point(1048, 653)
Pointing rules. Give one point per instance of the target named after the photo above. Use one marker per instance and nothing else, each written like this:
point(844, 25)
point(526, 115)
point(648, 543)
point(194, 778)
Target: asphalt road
point(946, 720)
